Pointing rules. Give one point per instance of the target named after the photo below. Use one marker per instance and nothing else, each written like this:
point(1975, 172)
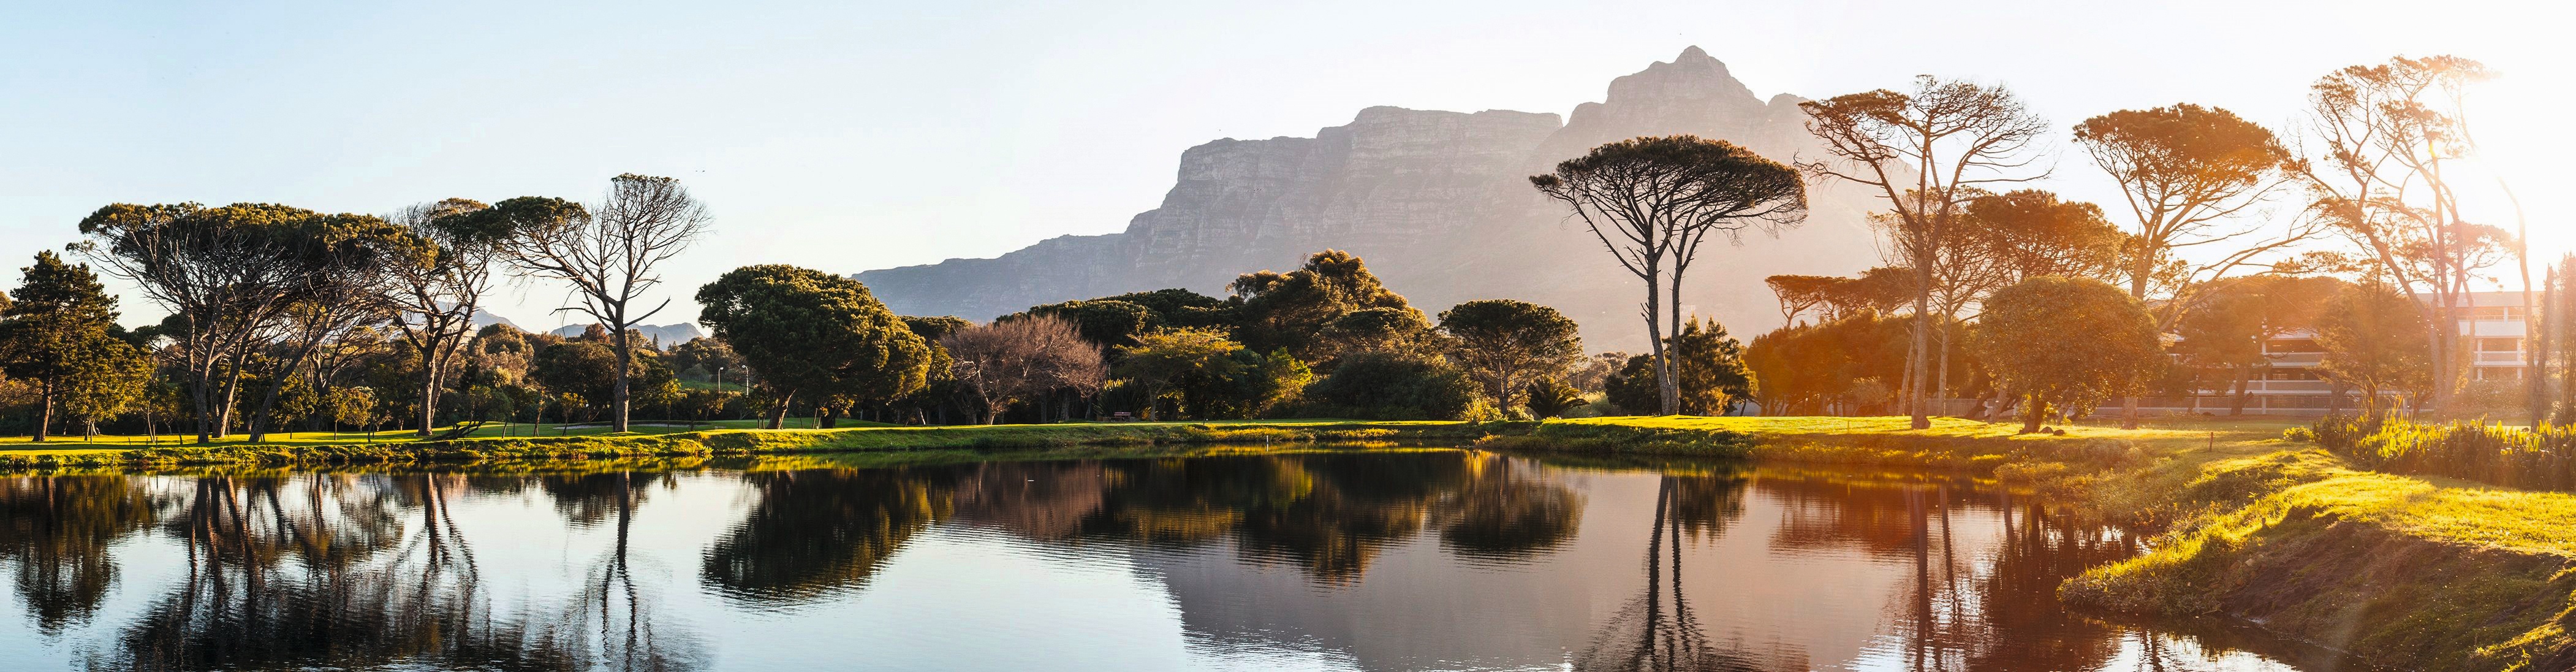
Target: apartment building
point(2493, 329)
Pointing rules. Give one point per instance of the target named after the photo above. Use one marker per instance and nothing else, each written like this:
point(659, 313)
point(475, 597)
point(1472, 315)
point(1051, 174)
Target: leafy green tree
point(1107, 323)
point(52, 333)
point(1810, 369)
point(1397, 386)
point(354, 406)
point(1292, 310)
point(2066, 344)
point(2375, 340)
point(1505, 344)
point(1549, 398)
point(1181, 308)
point(589, 369)
point(1162, 363)
point(1714, 377)
point(107, 376)
point(704, 356)
point(807, 332)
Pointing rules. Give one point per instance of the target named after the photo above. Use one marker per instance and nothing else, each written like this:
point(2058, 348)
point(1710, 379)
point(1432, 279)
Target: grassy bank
point(737, 442)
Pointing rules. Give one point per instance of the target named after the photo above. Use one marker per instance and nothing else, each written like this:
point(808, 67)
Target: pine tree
point(50, 334)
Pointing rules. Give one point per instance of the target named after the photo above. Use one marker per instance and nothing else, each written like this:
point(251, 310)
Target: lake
point(1422, 559)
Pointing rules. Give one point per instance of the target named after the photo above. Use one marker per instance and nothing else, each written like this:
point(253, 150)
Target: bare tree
point(608, 254)
point(2388, 134)
point(1652, 201)
point(1927, 152)
point(442, 269)
point(1023, 359)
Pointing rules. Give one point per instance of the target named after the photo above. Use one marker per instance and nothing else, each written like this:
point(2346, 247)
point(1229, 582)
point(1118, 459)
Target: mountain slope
point(1439, 204)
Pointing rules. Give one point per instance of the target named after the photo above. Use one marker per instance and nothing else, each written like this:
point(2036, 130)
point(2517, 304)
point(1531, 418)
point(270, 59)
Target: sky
point(849, 136)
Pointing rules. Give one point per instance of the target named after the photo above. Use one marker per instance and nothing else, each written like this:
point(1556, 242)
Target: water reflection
point(1360, 560)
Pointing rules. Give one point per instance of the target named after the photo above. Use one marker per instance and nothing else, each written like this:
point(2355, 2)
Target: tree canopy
point(807, 332)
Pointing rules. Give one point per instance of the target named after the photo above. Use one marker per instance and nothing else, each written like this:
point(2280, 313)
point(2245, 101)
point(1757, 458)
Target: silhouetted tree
point(1927, 152)
point(1652, 202)
point(609, 254)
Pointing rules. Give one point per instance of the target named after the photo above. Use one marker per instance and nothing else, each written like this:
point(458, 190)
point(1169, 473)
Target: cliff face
point(1439, 204)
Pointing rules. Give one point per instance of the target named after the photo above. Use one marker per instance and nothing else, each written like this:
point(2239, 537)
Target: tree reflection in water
point(811, 534)
point(1658, 630)
point(318, 570)
point(611, 624)
point(55, 531)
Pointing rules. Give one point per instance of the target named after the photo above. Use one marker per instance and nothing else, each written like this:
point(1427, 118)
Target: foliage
point(1810, 369)
point(1293, 310)
point(1652, 201)
point(2537, 458)
point(1396, 386)
point(1549, 397)
point(1106, 323)
point(814, 334)
point(2065, 344)
point(1505, 344)
point(1165, 363)
point(2375, 340)
point(1713, 380)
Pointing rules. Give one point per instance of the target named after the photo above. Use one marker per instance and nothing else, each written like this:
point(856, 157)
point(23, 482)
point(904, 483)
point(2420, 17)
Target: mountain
point(1439, 204)
point(666, 335)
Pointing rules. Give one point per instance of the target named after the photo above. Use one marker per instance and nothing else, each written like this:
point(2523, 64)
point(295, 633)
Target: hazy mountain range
point(1440, 206)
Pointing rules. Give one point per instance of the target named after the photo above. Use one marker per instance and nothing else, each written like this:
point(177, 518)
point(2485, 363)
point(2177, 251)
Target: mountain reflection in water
point(1375, 560)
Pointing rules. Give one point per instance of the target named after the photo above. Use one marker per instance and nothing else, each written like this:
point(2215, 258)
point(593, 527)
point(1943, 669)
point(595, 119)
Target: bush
point(1390, 386)
point(2537, 458)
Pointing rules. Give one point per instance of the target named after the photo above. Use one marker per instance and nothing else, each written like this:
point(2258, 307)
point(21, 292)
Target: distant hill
point(1440, 205)
point(667, 335)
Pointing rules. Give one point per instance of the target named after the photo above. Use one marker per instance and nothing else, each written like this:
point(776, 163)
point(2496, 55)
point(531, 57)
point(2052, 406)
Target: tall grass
point(2540, 458)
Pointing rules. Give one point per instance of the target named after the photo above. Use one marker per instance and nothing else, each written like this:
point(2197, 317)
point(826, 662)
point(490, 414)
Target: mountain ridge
point(1439, 204)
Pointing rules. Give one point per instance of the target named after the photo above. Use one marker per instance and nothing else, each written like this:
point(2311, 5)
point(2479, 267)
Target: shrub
point(1391, 386)
point(2537, 458)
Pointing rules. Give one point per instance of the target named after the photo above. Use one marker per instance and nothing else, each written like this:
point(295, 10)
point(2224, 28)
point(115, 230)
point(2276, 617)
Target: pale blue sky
point(850, 136)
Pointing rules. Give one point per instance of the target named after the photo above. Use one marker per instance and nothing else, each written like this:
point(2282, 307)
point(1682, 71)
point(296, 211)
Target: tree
point(1397, 386)
point(2237, 317)
point(2027, 233)
point(50, 334)
point(608, 256)
point(106, 377)
point(1162, 362)
point(2184, 169)
point(1024, 359)
point(1505, 344)
point(2389, 133)
point(1107, 323)
point(705, 356)
point(2374, 339)
point(1712, 379)
point(1927, 152)
point(441, 268)
point(806, 332)
point(1293, 310)
point(1549, 398)
point(237, 279)
point(1652, 201)
point(2024, 336)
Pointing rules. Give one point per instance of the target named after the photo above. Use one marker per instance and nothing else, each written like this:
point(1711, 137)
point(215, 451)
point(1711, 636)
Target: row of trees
point(1947, 159)
point(262, 298)
point(1324, 339)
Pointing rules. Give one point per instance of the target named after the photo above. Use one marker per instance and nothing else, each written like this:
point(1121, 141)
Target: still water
point(1341, 560)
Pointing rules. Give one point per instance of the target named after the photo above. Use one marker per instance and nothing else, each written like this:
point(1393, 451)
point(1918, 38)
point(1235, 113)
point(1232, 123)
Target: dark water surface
point(1388, 560)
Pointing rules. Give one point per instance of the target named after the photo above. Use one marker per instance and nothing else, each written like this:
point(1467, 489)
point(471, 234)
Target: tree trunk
point(1668, 395)
point(625, 359)
point(2244, 375)
point(44, 411)
point(1917, 364)
point(778, 411)
point(2033, 410)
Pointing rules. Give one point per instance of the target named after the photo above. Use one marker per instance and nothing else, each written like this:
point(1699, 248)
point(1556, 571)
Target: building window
point(2496, 313)
point(2499, 345)
point(2293, 345)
